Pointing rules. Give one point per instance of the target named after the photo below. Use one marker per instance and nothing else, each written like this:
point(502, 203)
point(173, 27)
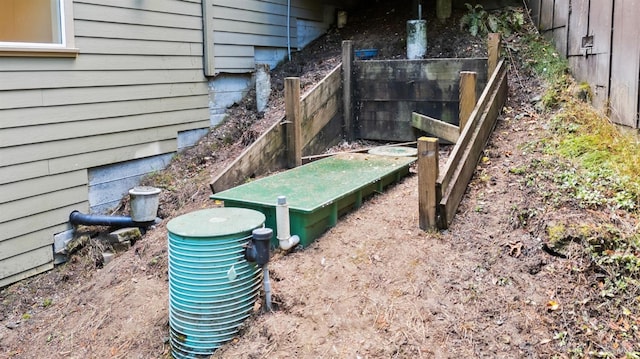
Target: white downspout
point(289, 28)
point(287, 241)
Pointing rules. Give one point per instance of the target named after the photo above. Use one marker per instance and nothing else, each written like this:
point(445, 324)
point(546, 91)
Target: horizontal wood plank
point(317, 95)
point(40, 221)
point(56, 79)
point(74, 96)
point(92, 45)
point(234, 50)
point(150, 111)
point(230, 38)
point(94, 29)
point(23, 171)
point(84, 144)
point(313, 124)
point(310, 10)
point(34, 261)
point(41, 203)
point(430, 69)
point(265, 154)
point(183, 7)
point(100, 62)
point(15, 246)
point(436, 127)
point(122, 15)
point(105, 157)
point(37, 186)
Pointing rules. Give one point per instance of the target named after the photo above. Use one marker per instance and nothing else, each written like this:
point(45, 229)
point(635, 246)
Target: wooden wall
point(136, 83)
point(236, 28)
point(600, 40)
point(389, 91)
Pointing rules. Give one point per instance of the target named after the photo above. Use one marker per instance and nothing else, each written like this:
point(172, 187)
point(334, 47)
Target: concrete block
point(125, 235)
point(60, 241)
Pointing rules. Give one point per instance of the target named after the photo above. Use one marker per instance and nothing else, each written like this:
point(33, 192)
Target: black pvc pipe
point(102, 220)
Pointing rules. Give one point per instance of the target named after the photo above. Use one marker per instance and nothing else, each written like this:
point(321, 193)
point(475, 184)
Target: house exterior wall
point(599, 39)
point(135, 92)
point(242, 33)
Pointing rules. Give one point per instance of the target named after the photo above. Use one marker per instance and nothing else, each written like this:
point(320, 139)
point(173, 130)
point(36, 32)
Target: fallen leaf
point(552, 305)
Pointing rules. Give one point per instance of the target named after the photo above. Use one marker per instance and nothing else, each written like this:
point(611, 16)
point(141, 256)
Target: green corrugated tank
point(212, 287)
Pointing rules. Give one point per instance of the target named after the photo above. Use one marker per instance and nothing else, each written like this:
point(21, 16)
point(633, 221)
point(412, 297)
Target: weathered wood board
point(435, 127)
point(453, 180)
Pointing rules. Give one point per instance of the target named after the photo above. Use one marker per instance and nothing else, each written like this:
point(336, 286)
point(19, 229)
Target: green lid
point(216, 222)
point(398, 151)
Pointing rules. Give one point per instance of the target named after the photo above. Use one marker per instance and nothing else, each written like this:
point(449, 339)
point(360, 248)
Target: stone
point(121, 246)
point(125, 235)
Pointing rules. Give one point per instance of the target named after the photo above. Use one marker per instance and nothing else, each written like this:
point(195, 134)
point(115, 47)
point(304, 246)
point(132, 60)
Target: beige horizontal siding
point(99, 62)
point(41, 203)
point(74, 146)
point(138, 80)
point(101, 158)
point(183, 7)
point(123, 31)
point(150, 113)
point(253, 23)
point(41, 185)
point(15, 246)
point(72, 96)
point(25, 225)
point(257, 9)
point(56, 79)
point(100, 12)
point(25, 265)
point(22, 171)
point(235, 50)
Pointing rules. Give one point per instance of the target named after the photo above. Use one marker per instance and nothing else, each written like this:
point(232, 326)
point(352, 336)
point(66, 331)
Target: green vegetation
point(479, 22)
point(585, 162)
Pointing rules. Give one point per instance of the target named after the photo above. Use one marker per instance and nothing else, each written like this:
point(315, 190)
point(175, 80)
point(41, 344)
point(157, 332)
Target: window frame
point(65, 49)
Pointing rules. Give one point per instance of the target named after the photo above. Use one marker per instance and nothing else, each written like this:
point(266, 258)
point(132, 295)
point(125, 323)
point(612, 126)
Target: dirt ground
point(375, 285)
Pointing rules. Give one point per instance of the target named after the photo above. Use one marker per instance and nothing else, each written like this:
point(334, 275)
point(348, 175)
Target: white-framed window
point(36, 28)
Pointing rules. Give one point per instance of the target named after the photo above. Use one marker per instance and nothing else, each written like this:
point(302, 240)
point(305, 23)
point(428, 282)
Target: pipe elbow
point(286, 244)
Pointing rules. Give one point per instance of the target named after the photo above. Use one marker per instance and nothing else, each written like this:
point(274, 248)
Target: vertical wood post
point(293, 124)
point(347, 88)
point(468, 97)
point(493, 48)
point(427, 176)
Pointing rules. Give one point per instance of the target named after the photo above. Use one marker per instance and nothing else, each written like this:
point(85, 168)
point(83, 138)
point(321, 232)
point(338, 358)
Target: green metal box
point(319, 192)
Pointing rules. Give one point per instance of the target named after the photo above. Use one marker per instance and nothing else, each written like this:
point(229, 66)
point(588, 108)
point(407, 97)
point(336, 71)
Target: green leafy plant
point(476, 20)
point(479, 22)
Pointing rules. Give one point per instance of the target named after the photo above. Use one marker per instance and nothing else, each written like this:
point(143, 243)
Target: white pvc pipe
point(267, 286)
point(289, 28)
point(287, 241)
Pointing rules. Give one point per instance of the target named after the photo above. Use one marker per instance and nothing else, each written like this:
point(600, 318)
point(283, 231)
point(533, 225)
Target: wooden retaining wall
point(439, 200)
point(318, 114)
point(399, 88)
point(388, 91)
